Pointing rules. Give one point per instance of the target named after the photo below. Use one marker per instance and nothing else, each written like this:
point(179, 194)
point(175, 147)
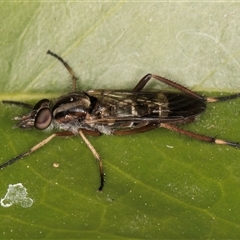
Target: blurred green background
point(158, 184)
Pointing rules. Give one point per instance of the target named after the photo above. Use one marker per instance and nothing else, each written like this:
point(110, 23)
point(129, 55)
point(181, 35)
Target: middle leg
point(96, 155)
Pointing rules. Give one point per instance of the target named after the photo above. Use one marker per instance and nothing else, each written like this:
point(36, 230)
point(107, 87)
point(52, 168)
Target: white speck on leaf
point(16, 194)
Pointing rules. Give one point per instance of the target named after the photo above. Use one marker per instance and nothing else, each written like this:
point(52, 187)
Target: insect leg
point(96, 155)
point(135, 130)
point(199, 136)
point(222, 99)
point(74, 78)
point(91, 133)
point(36, 147)
point(141, 84)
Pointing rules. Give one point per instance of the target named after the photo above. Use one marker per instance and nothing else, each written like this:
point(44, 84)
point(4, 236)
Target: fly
point(116, 112)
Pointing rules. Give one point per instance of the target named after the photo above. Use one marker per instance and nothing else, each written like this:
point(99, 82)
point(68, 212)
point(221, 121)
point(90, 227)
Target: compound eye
point(42, 103)
point(43, 119)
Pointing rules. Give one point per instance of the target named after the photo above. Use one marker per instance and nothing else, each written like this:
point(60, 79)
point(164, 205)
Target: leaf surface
point(158, 184)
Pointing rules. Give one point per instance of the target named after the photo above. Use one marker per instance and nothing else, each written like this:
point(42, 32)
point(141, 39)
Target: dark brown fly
point(117, 112)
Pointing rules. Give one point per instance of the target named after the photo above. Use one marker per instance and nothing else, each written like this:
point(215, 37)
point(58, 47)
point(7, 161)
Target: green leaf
point(158, 184)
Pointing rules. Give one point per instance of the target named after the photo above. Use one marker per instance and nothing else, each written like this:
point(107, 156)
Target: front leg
point(36, 147)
